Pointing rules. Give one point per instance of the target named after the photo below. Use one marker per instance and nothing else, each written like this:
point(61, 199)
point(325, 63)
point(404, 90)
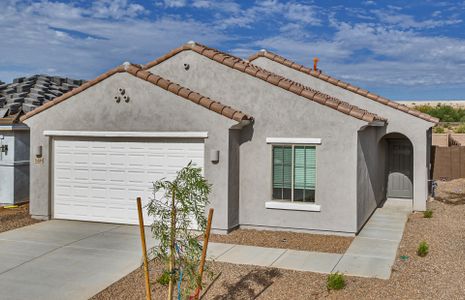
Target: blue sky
point(400, 49)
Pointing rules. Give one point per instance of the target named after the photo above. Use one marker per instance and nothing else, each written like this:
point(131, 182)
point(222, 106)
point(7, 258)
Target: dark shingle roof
point(28, 93)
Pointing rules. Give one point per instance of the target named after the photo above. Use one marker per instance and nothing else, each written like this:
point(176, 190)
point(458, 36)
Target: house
point(14, 159)
point(282, 148)
point(22, 95)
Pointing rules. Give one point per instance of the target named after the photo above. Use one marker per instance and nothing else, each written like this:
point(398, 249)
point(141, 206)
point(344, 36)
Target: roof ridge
point(137, 71)
point(270, 77)
point(345, 85)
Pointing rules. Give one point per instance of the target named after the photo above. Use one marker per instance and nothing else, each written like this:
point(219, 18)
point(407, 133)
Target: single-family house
point(24, 94)
point(282, 148)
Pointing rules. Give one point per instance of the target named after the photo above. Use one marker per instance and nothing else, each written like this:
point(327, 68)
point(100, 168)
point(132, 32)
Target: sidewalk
point(371, 254)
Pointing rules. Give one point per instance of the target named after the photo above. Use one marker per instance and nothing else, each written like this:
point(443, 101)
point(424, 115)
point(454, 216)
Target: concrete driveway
point(66, 259)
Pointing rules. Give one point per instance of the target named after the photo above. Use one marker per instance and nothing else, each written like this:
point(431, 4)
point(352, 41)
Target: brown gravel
point(12, 218)
point(439, 275)
point(452, 192)
point(286, 240)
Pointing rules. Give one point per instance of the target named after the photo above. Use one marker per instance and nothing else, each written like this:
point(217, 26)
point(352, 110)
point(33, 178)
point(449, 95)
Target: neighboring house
point(289, 151)
point(22, 95)
point(14, 158)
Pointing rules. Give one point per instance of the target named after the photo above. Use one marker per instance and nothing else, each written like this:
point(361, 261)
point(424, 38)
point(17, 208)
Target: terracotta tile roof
point(285, 83)
point(342, 84)
point(172, 87)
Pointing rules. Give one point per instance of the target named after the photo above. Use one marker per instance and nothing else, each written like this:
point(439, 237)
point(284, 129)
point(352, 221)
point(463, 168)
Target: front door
point(400, 169)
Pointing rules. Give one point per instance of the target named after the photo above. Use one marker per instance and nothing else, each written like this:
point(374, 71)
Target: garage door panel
point(100, 180)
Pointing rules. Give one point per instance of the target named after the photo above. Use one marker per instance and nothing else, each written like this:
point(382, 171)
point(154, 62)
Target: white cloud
point(373, 55)
point(224, 6)
point(175, 3)
point(116, 9)
point(94, 45)
point(407, 21)
point(302, 13)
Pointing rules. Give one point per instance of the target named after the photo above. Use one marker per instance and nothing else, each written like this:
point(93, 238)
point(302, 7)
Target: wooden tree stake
point(172, 246)
point(206, 237)
point(148, 292)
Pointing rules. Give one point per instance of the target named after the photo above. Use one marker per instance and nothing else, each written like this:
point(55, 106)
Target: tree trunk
point(172, 246)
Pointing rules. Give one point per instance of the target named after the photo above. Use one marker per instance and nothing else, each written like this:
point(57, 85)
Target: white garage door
point(100, 180)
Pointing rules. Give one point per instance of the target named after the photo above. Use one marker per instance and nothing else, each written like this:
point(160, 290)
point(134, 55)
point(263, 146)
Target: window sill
point(292, 206)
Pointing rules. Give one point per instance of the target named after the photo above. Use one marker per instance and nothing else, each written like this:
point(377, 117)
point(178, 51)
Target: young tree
point(178, 207)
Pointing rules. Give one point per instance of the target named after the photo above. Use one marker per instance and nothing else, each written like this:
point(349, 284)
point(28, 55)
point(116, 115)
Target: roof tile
point(320, 75)
point(247, 67)
point(156, 80)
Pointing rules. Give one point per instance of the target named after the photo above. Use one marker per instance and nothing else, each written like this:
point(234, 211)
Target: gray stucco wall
point(370, 174)
point(234, 183)
point(279, 113)
point(150, 109)
point(14, 165)
point(412, 127)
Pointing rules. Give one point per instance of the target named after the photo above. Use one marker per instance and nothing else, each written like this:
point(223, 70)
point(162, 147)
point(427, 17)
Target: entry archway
point(398, 166)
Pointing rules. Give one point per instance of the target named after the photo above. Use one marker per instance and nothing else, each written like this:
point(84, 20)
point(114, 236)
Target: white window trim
point(287, 205)
point(295, 141)
point(155, 134)
point(292, 189)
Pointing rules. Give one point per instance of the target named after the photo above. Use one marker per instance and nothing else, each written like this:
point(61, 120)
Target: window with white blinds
point(294, 173)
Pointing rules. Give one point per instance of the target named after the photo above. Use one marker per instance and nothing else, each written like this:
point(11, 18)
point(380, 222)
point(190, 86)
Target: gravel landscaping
point(439, 275)
point(285, 240)
point(12, 218)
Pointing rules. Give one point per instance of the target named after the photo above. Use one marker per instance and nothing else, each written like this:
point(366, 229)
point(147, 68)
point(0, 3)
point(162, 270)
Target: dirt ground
point(12, 218)
point(439, 275)
point(286, 240)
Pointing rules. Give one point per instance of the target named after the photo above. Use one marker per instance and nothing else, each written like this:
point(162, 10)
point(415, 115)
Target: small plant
point(423, 249)
point(438, 129)
point(164, 278)
point(336, 281)
point(460, 129)
point(178, 206)
point(428, 214)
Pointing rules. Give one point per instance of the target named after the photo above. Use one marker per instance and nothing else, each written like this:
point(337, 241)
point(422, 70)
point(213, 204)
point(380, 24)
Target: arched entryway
point(398, 166)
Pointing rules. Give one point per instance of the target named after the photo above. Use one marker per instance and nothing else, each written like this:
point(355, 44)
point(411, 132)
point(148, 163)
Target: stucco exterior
point(150, 109)
point(415, 129)
point(14, 164)
point(350, 159)
point(279, 113)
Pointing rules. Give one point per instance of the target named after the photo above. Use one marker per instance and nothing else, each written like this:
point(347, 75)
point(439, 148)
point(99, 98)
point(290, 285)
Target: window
point(294, 173)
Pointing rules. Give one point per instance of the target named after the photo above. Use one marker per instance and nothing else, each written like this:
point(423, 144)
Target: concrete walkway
point(75, 260)
point(273, 257)
point(66, 259)
point(371, 253)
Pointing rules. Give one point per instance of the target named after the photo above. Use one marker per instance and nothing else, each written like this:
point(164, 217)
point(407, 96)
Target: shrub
point(438, 129)
point(460, 129)
point(428, 214)
point(423, 249)
point(164, 278)
point(336, 281)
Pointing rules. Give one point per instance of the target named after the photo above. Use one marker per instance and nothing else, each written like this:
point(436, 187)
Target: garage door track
point(66, 259)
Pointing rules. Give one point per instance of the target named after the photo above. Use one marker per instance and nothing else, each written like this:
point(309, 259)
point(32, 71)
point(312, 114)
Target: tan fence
point(448, 162)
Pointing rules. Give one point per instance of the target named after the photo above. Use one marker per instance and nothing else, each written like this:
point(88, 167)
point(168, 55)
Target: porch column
point(420, 173)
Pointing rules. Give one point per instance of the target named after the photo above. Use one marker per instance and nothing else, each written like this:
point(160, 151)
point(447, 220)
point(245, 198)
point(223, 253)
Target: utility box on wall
point(14, 163)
